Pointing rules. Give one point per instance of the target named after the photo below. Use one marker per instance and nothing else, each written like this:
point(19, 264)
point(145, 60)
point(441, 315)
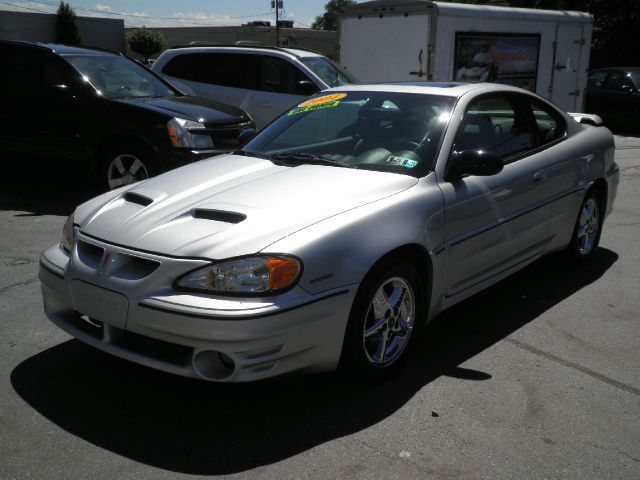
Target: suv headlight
point(267, 274)
point(184, 133)
point(68, 234)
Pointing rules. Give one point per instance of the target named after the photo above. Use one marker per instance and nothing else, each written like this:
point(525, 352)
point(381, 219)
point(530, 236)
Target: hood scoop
point(219, 215)
point(137, 198)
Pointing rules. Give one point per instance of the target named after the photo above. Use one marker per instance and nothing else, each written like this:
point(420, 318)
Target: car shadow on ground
point(194, 427)
point(39, 187)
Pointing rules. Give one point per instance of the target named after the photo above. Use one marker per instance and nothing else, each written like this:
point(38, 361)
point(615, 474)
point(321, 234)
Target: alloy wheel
point(389, 322)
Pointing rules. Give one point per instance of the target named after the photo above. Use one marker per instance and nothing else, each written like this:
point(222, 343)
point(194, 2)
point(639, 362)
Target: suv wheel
point(124, 165)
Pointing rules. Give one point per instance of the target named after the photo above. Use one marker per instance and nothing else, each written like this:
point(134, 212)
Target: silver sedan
point(334, 235)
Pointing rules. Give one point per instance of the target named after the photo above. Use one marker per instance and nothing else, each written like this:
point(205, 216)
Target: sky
point(165, 13)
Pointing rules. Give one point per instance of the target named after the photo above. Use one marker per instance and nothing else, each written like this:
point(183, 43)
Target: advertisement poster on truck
point(506, 58)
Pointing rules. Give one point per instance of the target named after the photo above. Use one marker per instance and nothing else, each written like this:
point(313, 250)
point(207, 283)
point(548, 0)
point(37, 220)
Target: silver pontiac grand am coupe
point(334, 234)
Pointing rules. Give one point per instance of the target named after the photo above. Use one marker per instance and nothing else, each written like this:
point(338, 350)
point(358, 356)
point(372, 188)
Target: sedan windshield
point(329, 72)
point(118, 77)
point(387, 131)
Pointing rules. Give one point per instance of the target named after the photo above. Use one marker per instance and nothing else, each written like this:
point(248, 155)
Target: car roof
point(295, 52)
point(62, 49)
point(449, 89)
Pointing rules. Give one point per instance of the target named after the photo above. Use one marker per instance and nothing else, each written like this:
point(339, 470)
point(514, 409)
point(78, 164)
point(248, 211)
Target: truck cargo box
point(543, 51)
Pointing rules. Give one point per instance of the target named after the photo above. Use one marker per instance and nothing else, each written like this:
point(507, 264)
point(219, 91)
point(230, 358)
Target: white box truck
point(544, 51)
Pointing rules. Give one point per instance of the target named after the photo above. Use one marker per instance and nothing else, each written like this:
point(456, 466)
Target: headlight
point(248, 275)
point(68, 234)
point(181, 134)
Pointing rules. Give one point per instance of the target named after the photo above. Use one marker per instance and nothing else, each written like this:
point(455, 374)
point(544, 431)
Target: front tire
point(124, 165)
point(383, 319)
point(588, 228)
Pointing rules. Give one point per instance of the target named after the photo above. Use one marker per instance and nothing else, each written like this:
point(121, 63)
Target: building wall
point(325, 42)
point(40, 27)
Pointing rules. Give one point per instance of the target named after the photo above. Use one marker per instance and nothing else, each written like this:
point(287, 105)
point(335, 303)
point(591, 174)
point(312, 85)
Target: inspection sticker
point(402, 161)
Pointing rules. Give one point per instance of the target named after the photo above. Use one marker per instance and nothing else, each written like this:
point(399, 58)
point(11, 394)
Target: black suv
point(107, 111)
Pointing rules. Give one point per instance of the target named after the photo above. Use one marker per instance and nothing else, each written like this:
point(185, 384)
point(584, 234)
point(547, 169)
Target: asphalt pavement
point(537, 377)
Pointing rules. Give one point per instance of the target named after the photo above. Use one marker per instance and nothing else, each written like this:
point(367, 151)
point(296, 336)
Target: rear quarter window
point(549, 124)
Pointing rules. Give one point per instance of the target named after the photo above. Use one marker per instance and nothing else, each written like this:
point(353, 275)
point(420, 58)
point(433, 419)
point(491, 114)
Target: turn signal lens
point(282, 271)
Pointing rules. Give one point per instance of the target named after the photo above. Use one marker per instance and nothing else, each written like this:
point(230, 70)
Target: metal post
point(278, 4)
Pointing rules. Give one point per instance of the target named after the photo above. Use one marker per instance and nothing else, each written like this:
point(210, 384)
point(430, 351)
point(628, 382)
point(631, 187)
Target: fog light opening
point(213, 365)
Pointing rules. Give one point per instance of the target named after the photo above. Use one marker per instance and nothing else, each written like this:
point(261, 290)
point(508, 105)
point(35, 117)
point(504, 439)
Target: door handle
point(540, 176)
point(263, 104)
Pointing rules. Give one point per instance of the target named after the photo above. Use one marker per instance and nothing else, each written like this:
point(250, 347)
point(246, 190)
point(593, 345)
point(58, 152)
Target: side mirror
point(306, 88)
point(473, 162)
point(246, 136)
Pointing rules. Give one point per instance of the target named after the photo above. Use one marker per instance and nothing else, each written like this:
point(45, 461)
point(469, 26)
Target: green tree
point(329, 20)
point(145, 42)
point(67, 29)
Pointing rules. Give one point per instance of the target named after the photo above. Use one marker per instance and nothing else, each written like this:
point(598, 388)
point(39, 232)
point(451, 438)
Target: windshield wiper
point(309, 158)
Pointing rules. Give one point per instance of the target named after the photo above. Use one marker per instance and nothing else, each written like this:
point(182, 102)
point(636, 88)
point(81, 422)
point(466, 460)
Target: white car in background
point(263, 81)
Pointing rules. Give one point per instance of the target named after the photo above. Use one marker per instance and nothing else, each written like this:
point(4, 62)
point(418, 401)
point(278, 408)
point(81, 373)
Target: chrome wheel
point(125, 169)
point(588, 226)
point(389, 322)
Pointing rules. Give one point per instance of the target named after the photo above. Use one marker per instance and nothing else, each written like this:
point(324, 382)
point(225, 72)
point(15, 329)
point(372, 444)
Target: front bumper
point(118, 307)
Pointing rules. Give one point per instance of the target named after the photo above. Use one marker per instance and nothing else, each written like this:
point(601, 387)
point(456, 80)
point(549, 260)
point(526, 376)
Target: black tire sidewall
point(354, 357)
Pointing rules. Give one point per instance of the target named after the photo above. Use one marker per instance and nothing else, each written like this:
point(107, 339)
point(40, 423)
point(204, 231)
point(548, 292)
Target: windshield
point(329, 72)
point(635, 78)
point(118, 77)
point(387, 131)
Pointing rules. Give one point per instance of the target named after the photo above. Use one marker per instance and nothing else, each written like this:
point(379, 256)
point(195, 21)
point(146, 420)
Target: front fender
point(341, 250)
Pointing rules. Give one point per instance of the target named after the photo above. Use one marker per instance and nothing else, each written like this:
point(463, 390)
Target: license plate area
point(99, 303)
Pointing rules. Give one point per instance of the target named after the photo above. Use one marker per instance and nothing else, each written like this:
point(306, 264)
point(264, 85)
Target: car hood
point(192, 108)
point(230, 205)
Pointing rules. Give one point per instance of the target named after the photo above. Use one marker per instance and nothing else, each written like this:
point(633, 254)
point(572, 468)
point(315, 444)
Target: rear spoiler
point(587, 119)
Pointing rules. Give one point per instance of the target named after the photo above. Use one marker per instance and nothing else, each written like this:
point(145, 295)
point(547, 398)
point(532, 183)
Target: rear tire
point(125, 164)
point(383, 320)
point(588, 227)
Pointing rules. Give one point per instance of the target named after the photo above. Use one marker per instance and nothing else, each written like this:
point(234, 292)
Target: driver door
point(493, 223)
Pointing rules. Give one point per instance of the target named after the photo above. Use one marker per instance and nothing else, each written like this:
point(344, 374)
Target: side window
point(189, 67)
point(549, 123)
point(619, 82)
point(280, 76)
point(31, 72)
point(226, 69)
point(233, 70)
point(494, 124)
point(596, 80)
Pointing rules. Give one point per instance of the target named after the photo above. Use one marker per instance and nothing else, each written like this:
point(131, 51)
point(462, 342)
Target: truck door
point(385, 48)
point(567, 92)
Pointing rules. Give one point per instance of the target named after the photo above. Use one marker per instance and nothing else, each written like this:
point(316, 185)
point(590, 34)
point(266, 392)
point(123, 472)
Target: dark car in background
point(102, 110)
point(614, 94)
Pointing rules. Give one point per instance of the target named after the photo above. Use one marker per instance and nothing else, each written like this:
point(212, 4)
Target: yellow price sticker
point(324, 99)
